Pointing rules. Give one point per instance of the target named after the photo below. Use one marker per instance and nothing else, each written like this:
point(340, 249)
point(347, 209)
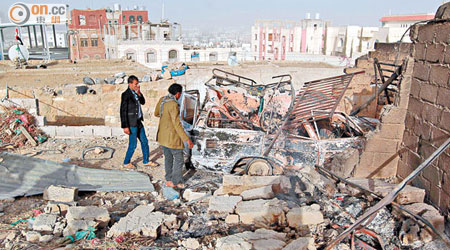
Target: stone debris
point(259, 239)
point(232, 219)
point(264, 192)
point(429, 213)
point(60, 193)
point(261, 212)
point(191, 243)
point(141, 221)
point(302, 243)
point(45, 222)
point(223, 204)
point(60, 208)
point(306, 215)
point(32, 236)
point(89, 213)
point(235, 185)
point(190, 195)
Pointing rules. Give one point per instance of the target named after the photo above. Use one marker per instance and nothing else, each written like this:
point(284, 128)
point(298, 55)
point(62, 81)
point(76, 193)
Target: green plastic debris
point(22, 220)
point(42, 138)
point(18, 112)
point(88, 235)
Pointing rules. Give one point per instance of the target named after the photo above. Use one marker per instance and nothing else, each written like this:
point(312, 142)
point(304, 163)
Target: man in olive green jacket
point(171, 135)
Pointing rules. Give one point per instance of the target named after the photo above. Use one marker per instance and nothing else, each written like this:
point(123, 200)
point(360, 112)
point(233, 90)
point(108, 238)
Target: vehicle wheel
point(259, 167)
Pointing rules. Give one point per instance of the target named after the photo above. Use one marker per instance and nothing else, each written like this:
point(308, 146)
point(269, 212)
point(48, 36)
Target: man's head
point(133, 82)
point(176, 90)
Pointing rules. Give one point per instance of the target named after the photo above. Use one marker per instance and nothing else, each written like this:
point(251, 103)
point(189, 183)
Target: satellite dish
point(18, 51)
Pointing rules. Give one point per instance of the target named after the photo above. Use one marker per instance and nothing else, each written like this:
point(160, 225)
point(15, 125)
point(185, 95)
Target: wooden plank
point(28, 136)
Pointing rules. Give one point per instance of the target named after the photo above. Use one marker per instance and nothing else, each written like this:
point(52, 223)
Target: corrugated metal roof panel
point(23, 176)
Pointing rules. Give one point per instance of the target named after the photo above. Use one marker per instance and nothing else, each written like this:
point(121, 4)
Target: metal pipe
point(391, 196)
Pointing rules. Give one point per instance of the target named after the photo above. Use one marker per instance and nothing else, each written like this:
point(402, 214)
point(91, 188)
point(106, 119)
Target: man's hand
point(190, 144)
point(138, 90)
point(127, 131)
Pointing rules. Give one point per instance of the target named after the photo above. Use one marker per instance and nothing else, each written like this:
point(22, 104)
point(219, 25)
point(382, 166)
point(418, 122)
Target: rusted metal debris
point(390, 197)
point(241, 121)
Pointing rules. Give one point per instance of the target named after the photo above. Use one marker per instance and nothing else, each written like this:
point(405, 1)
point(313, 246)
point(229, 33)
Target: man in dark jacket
point(131, 117)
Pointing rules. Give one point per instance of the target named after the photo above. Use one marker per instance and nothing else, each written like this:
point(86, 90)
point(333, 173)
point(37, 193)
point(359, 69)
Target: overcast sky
point(237, 13)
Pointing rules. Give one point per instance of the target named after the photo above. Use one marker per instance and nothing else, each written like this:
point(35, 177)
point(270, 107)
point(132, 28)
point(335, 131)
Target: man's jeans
point(173, 163)
point(135, 133)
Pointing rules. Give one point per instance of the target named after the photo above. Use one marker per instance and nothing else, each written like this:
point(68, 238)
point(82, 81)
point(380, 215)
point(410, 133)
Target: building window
point(256, 36)
point(150, 57)
point(130, 56)
point(94, 42)
point(173, 56)
point(256, 48)
point(132, 19)
point(270, 37)
point(213, 57)
point(82, 19)
point(84, 42)
point(195, 57)
point(140, 19)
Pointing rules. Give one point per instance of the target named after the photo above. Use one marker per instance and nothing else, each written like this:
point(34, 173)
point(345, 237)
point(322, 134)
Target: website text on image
point(23, 13)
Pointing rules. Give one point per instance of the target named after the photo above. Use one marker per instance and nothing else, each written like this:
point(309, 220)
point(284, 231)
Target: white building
point(278, 40)
point(393, 27)
point(350, 41)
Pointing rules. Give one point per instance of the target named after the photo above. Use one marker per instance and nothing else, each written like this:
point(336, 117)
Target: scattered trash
point(88, 81)
point(170, 193)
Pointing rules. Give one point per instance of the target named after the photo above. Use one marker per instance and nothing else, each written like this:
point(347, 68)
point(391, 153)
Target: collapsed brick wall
point(380, 156)
point(428, 116)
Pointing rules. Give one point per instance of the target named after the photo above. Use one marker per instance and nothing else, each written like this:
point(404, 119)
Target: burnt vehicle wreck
point(261, 129)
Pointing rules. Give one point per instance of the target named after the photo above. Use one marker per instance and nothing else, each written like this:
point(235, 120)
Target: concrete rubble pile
point(18, 127)
point(300, 210)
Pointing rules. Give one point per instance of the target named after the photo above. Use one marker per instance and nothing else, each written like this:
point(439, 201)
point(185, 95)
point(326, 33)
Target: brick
point(223, 204)
point(426, 33)
point(426, 149)
point(446, 182)
point(410, 141)
point(394, 116)
point(419, 52)
point(444, 164)
point(415, 106)
point(438, 136)
point(429, 92)
point(409, 120)
point(433, 175)
point(435, 195)
point(415, 88)
point(237, 184)
point(414, 160)
point(435, 53)
point(447, 54)
point(65, 131)
point(403, 169)
point(422, 129)
point(421, 71)
point(83, 131)
point(392, 131)
point(439, 75)
point(442, 33)
point(366, 159)
point(431, 113)
point(49, 130)
point(385, 165)
point(381, 145)
point(60, 193)
point(443, 97)
point(102, 131)
point(307, 215)
point(445, 120)
point(421, 183)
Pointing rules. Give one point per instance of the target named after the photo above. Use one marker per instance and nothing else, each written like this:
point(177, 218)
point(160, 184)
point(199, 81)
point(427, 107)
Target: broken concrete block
point(233, 242)
point(306, 215)
point(142, 220)
point(252, 240)
point(261, 212)
point(270, 244)
point(429, 213)
point(44, 222)
point(233, 184)
point(171, 221)
point(408, 195)
point(45, 238)
point(219, 192)
point(232, 219)
point(74, 226)
point(55, 207)
point(258, 193)
point(32, 236)
point(191, 243)
point(98, 214)
point(223, 204)
point(302, 243)
point(60, 193)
